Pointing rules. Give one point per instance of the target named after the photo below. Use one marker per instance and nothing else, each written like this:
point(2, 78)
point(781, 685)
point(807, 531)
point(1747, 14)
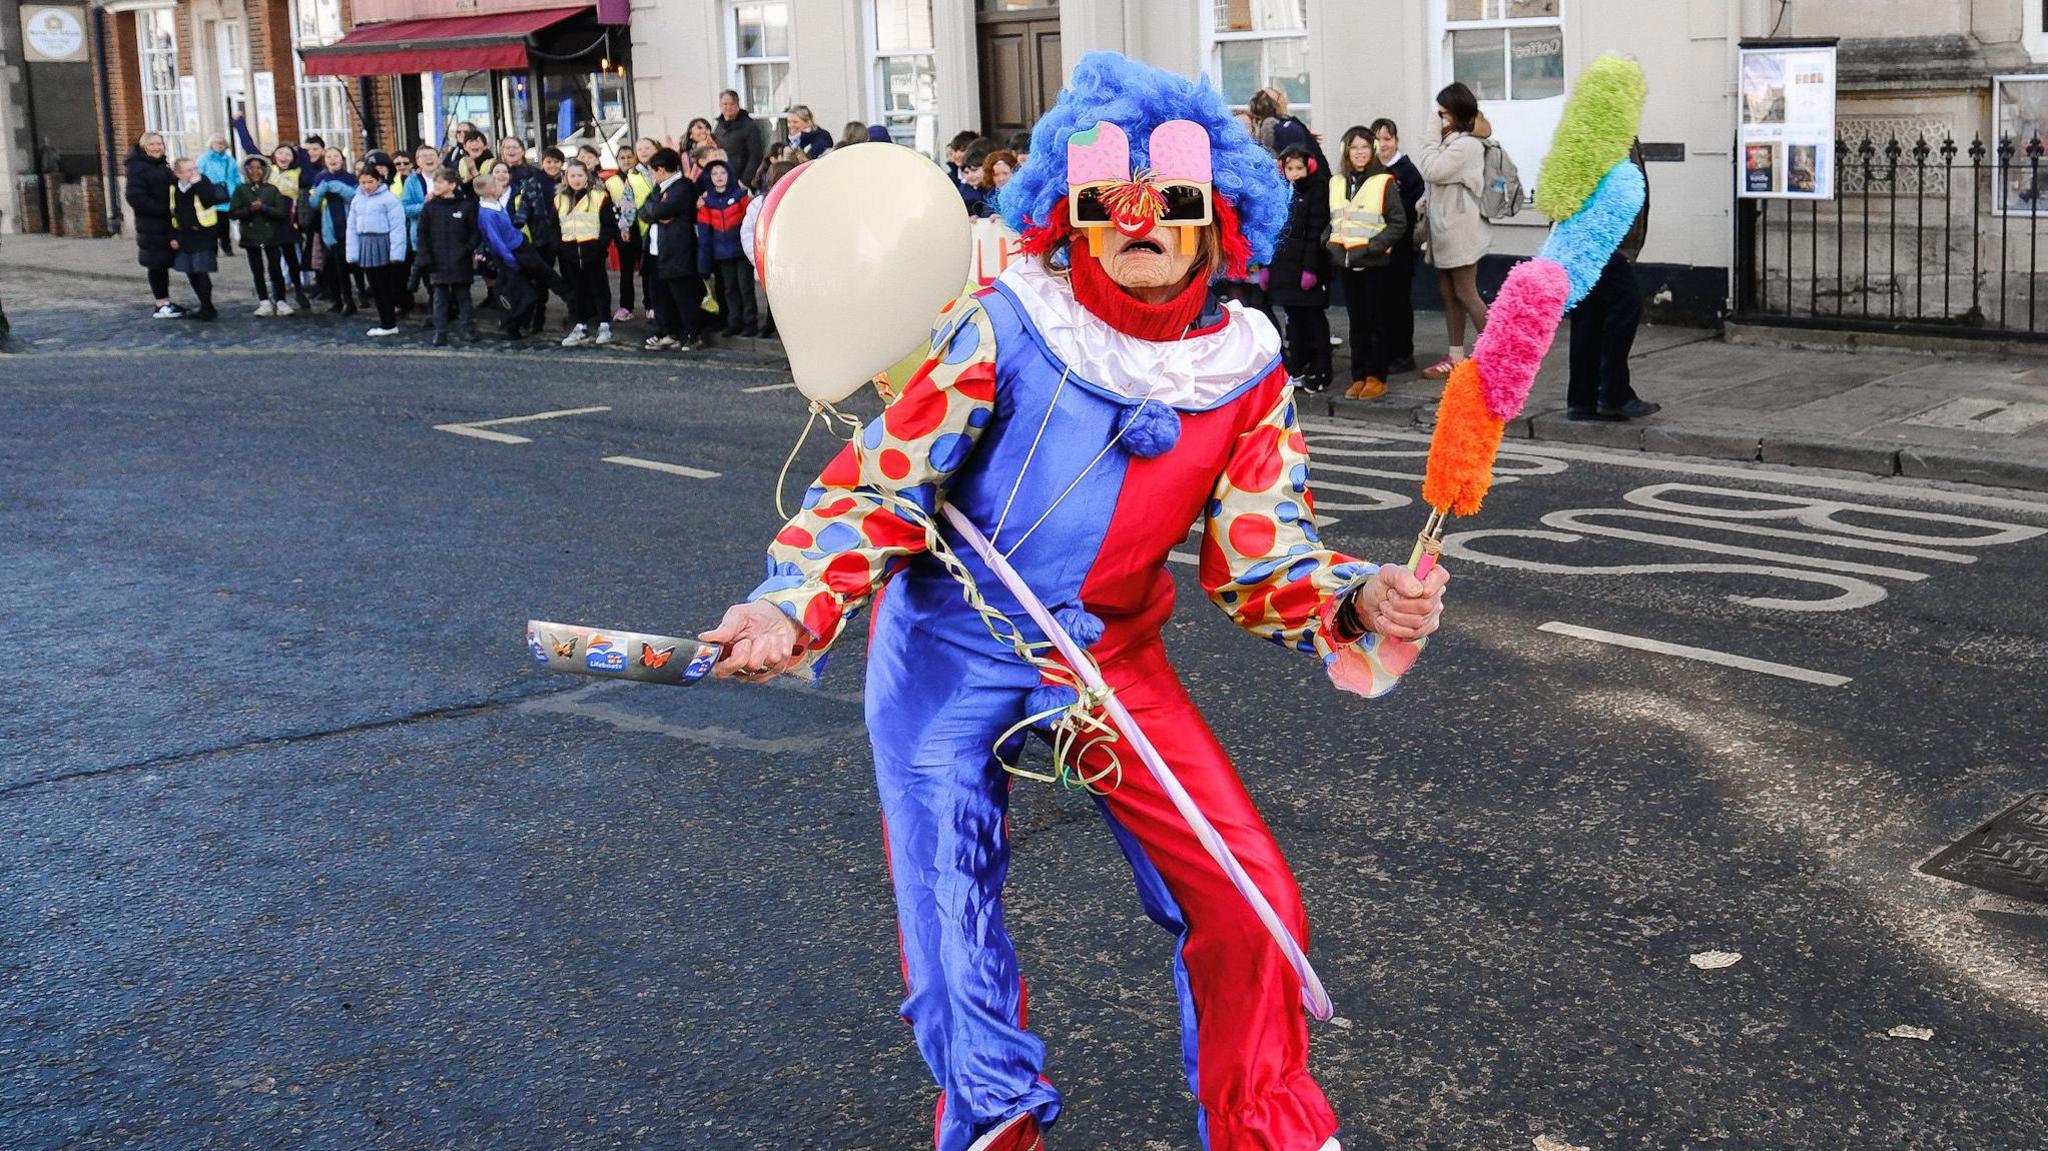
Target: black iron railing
point(1926, 237)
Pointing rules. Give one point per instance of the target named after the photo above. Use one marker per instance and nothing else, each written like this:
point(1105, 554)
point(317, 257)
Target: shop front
point(551, 76)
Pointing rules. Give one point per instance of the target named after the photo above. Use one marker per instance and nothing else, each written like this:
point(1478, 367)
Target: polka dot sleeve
point(1262, 561)
point(833, 554)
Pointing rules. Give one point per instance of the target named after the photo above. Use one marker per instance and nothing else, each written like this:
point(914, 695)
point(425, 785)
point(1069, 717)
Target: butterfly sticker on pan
point(651, 656)
point(563, 647)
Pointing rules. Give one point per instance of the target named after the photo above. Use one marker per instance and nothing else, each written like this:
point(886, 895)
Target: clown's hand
point(1396, 604)
point(760, 642)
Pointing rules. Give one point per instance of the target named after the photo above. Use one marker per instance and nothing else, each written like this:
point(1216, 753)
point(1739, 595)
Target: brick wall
point(124, 83)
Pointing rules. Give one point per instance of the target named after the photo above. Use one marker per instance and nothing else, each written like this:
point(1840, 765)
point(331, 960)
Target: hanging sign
point(265, 127)
point(1786, 139)
point(52, 34)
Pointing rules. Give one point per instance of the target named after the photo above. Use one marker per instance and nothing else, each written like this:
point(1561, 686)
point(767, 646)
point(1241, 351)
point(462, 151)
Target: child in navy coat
point(721, 215)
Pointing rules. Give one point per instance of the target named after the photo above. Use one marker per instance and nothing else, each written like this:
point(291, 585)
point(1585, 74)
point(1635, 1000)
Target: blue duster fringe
point(1583, 244)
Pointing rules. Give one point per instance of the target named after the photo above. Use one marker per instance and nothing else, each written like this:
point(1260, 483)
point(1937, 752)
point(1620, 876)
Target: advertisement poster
point(1787, 132)
point(188, 100)
point(264, 114)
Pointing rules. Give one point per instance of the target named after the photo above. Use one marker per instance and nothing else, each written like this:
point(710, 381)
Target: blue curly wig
point(1139, 98)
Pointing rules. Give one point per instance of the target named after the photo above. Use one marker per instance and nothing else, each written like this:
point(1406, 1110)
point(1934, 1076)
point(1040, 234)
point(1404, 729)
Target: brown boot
point(1369, 388)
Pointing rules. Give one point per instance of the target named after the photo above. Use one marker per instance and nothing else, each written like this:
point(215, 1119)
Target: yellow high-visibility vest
point(1357, 220)
point(583, 219)
point(207, 216)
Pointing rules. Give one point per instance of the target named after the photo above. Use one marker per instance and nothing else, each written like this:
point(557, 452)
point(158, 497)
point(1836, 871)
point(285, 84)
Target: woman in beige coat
point(1454, 167)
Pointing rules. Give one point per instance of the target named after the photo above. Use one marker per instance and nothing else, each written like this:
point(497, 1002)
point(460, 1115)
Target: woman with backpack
point(1454, 167)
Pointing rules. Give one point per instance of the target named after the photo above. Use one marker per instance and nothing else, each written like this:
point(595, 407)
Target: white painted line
point(658, 466)
point(480, 434)
point(554, 415)
point(1188, 558)
point(781, 387)
point(1754, 473)
point(473, 428)
point(1704, 655)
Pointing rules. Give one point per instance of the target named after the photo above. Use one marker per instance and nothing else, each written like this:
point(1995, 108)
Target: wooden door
point(1020, 73)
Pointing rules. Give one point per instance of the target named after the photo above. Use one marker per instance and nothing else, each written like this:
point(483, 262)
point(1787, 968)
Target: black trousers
point(387, 283)
point(1308, 340)
point(1400, 306)
point(590, 288)
point(679, 307)
point(290, 251)
point(1369, 306)
point(629, 269)
point(736, 294)
point(337, 281)
point(159, 283)
point(1603, 333)
point(262, 256)
point(537, 319)
point(452, 298)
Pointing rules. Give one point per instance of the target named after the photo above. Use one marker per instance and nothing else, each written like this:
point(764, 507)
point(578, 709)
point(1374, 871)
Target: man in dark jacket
point(740, 136)
point(1604, 330)
point(1401, 270)
point(671, 213)
point(446, 253)
point(149, 203)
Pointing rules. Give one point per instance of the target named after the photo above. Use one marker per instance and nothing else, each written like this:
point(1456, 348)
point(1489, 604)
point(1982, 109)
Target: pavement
point(299, 849)
point(1952, 415)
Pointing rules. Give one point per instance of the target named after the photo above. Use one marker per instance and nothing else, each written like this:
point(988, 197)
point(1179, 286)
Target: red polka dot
point(843, 471)
point(1296, 602)
point(1296, 443)
point(794, 536)
point(888, 530)
point(1254, 606)
point(918, 413)
point(977, 383)
point(894, 464)
point(1251, 535)
point(822, 617)
point(1255, 466)
point(847, 574)
point(833, 509)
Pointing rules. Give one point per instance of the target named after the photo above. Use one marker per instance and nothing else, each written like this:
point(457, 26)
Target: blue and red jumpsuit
point(1089, 526)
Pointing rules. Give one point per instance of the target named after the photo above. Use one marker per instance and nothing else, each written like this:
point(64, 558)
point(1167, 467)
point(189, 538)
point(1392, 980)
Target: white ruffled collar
point(1193, 374)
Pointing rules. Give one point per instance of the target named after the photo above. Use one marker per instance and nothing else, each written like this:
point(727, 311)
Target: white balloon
point(859, 251)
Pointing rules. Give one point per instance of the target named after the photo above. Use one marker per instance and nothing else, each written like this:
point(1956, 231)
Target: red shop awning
point(450, 44)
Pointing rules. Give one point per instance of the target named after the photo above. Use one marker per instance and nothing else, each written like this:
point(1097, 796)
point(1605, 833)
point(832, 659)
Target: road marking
point(475, 428)
point(1752, 473)
point(658, 466)
point(1703, 655)
point(784, 386)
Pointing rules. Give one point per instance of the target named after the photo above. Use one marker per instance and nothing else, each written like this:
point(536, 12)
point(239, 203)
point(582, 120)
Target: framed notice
point(1786, 138)
point(52, 34)
point(2019, 113)
point(188, 100)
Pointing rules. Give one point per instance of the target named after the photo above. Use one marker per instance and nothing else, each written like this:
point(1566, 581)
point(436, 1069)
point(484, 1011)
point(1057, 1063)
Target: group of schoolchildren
point(677, 227)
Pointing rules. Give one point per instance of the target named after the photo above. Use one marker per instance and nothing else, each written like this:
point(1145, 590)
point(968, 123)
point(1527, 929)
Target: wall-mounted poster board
point(1785, 140)
point(2019, 114)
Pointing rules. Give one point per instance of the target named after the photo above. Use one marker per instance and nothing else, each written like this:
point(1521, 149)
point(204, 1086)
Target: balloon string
point(1080, 729)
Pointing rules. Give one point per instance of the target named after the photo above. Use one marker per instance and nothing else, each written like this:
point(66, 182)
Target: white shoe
point(604, 334)
point(168, 312)
point(659, 343)
point(265, 309)
point(576, 337)
point(383, 331)
point(282, 309)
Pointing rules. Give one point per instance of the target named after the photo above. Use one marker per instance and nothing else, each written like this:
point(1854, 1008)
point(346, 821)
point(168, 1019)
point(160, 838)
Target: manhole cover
point(2008, 855)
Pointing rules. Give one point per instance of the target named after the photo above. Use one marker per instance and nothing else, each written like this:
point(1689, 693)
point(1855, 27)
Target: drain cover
point(2008, 855)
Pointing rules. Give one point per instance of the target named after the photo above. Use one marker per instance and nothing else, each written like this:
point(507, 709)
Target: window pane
point(1473, 9)
point(1237, 70)
point(749, 37)
point(1478, 59)
point(1538, 62)
point(1261, 15)
point(903, 25)
point(765, 86)
point(1287, 67)
point(775, 29)
point(1013, 5)
point(1531, 9)
point(907, 84)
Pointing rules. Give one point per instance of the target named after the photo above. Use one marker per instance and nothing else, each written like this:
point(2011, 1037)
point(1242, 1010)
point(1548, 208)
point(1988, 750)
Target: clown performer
point(1083, 412)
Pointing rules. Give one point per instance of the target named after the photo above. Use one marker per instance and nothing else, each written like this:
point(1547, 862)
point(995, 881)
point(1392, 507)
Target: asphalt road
point(297, 848)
